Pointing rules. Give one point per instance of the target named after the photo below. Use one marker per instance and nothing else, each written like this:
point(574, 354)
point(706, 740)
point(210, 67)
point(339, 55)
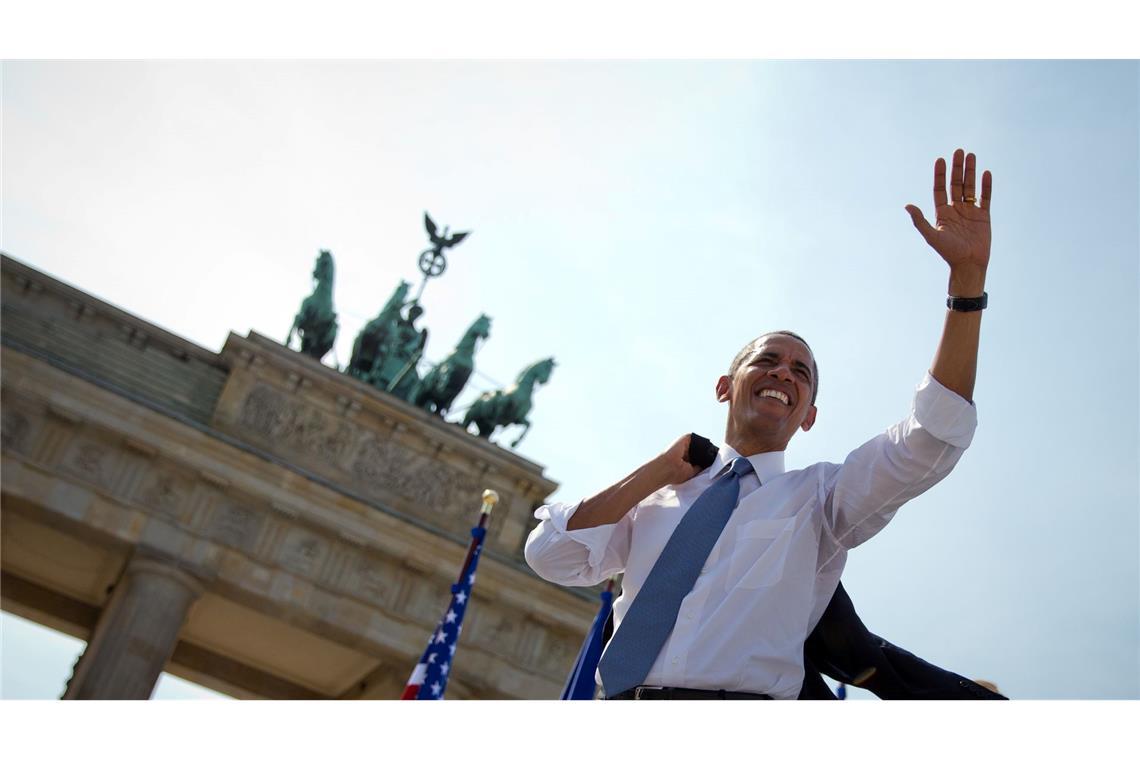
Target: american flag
point(429, 677)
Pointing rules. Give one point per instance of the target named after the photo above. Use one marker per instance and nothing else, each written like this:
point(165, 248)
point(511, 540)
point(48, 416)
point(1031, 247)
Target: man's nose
point(781, 372)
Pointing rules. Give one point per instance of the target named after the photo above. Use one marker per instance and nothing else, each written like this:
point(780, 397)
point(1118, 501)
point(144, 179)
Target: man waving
point(729, 568)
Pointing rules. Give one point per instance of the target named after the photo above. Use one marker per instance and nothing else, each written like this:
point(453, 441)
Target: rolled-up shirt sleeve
point(581, 557)
point(862, 495)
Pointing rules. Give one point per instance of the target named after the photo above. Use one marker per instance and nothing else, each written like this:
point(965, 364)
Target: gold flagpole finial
point(490, 499)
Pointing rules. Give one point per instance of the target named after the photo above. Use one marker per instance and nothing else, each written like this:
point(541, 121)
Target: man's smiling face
point(770, 395)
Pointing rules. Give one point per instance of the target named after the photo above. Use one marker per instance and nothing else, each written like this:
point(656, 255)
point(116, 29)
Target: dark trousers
point(842, 648)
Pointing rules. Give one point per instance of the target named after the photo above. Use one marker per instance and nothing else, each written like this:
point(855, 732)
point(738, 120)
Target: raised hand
point(670, 467)
point(673, 464)
point(961, 233)
point(962, 238)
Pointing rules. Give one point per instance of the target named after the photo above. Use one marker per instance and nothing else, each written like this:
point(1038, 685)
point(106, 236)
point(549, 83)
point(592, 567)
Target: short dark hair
point(744, 353)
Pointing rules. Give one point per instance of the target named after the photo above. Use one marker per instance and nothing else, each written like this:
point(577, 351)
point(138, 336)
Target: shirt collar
point(768, 465)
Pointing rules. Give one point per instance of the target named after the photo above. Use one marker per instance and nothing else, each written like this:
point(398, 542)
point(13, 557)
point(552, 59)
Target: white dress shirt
point(776, 565)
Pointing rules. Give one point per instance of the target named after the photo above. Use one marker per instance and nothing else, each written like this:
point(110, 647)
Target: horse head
point(539, 371)
point(400, 293)
point(324, 268)
point(480, 328)
point(396, 302)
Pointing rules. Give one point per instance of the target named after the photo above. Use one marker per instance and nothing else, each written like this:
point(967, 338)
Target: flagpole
point(490, 499)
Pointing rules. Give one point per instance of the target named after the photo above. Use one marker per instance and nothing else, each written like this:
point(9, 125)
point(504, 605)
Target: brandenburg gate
point(252, 520)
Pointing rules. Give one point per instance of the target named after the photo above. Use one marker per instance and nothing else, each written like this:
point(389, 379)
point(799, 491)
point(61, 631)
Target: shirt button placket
point(674, 666)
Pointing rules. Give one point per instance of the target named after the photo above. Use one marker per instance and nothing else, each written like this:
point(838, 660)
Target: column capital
point(194, 579)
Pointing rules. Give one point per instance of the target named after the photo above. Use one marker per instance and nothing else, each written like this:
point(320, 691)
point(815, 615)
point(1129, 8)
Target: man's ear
point(723, 386)
point(809, 420)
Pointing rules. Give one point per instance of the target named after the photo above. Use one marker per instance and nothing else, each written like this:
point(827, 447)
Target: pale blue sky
point(641, 221)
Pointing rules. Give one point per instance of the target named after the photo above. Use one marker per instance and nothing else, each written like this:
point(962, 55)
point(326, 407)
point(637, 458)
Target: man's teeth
point(776, 395)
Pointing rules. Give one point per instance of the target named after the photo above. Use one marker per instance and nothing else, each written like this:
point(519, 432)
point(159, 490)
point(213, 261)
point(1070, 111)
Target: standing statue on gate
point(377, 335)
point(395, 368)
point(437, 391)
point(315, 323)
point(509, 407)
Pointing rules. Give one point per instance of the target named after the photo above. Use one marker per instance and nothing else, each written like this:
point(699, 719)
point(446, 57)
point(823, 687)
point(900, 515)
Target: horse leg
point(292, 329)
point(474, 409)
point(526, 427)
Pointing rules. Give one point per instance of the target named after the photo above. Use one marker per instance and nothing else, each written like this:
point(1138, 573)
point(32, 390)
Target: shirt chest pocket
point(760, 553)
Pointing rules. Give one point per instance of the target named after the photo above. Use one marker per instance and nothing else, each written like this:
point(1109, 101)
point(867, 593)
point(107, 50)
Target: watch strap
point(957, 303)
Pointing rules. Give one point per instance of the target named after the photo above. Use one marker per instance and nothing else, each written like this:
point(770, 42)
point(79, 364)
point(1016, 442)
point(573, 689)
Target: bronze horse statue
point(437, 391)
point(372, 342)
point(315, 323)
point(509, 407)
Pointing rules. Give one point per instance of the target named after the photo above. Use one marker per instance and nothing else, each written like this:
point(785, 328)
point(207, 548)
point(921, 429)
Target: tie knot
point(741, 466)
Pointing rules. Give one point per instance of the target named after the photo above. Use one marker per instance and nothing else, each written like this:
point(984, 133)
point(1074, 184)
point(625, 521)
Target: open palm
point(961, 233)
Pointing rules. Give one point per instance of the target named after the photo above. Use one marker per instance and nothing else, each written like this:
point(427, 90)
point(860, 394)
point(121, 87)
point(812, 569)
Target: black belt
point(674, 692)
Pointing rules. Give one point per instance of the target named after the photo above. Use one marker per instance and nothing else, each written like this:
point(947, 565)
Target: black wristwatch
point(954, 303)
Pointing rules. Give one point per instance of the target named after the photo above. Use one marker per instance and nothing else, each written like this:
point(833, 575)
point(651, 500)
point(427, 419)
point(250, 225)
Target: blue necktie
point(650, 620)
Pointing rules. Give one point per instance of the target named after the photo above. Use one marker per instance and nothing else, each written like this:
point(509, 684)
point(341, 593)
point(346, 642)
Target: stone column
point(136, 633)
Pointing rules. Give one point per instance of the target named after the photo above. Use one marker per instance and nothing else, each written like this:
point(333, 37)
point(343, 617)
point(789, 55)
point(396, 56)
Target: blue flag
point(581, 684)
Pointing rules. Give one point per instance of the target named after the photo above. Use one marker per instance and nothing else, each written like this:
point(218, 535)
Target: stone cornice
point(85, 305)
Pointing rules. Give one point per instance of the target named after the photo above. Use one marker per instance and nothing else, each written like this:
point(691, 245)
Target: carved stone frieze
point(302, 552)
point(91, 461)
point(296, 426)
point(371, 580)
point(495, 629)
point(440, 492)
point(234, 525)
point(426, 601)
point(164, 491)
point(264, 412)
point(15, 433)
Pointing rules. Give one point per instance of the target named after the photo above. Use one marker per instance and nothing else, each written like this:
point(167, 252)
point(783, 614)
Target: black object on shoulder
point(954, 303)
point(702, 451)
